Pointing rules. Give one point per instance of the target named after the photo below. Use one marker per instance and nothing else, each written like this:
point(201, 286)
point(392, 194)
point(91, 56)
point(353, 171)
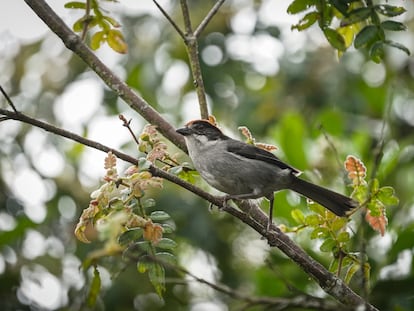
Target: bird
point(244, 171)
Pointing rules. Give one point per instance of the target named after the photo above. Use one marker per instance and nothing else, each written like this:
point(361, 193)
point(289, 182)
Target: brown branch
point(249, 213)
point(74, 43)
point(208, 18)
point(192, 51)
point(300, 301)
point(168, 17)
point(6, 96)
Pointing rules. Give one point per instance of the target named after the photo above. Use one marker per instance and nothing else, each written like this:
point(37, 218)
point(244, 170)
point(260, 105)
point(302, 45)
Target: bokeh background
point(289, 88)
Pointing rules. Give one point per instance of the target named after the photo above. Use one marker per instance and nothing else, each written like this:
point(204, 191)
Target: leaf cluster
point(333, 231)
point(118, 211)
point(361, 23)
point(94, 17)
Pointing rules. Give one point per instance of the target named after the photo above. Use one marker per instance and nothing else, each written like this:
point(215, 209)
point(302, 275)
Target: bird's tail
point(335, 202)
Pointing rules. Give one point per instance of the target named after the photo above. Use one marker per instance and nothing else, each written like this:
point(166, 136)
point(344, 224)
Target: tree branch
point(192, 51)
point(208, 18)
point(74, 43)
point(249, 213)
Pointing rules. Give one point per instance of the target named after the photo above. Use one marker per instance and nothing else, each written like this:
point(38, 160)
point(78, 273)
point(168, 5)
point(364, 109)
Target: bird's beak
point(185, 131)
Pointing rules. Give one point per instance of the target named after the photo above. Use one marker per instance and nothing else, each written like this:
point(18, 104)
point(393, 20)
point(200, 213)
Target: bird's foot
point(224, 199)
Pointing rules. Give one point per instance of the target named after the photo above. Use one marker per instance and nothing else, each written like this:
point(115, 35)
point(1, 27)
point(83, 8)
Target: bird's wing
point(252, 152)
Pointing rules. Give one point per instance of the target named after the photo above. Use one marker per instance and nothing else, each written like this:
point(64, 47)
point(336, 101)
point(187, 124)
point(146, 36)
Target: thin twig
point(186, 17)
point(127, 124)
point(169, 18)
point(193, 56)
point(208, 18)
point(8, 99)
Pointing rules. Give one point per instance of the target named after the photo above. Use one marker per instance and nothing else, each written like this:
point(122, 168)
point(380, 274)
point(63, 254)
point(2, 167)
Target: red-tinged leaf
point(246, 133)
point(356, 169)
point(378, 223)
point(152, 232)
point(110, 161)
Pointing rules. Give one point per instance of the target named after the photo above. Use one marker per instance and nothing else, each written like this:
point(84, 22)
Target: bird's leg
point(270, 221)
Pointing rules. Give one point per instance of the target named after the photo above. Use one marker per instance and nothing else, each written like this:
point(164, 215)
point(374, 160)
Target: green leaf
point(341, 6)
point(386, 196)
point(389, 10)
point(335, 39)
point(166, 228)
point(339, 223)
point(149, 203)
point(159, 216)
point(78, 25)
point(377, 53)
point(398, 46)
point(328, 245)
point(319, 233)
point(356, 16)
point(144, 164)
point(313, 220)
point(143, 246)
point(143, 266)
point(365, 36)
point(97, 39)
point(298, 6)
point(166, 243)
point(156, 274)
point(343, 237)
point(129, 236)
point(75, 5)
point(166, 258)
point(298, 216)
point(351, 271)
point(393, 26)
point(94, 289)
point(116, 41)
point(112, 21)
point(306, 21)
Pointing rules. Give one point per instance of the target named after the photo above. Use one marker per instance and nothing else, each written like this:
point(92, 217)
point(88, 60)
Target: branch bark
point(74, 43)
point(249, 212)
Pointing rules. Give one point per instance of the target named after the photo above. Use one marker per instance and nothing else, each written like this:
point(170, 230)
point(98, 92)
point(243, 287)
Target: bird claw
point(224, 204)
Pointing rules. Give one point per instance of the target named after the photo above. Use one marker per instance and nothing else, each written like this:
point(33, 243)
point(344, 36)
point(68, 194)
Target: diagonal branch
point(74, 43)
point(8, 99)
point(168, 17)
point(249, 213)
point(208, 18)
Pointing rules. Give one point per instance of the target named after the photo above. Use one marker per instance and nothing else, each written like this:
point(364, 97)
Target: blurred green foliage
point(315, 108)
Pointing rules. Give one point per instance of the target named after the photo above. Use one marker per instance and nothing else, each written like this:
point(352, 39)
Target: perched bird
point(244, 171)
